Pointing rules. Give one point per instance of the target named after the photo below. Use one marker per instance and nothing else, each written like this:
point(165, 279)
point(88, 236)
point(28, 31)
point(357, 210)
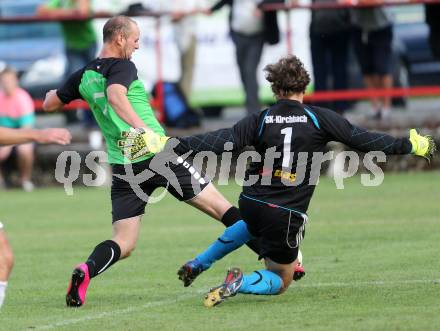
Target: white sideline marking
point(115, 312)
point(188, 296)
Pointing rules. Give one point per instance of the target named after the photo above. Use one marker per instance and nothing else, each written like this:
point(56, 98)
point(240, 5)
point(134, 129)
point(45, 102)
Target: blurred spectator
point(17, 111)
point(432, 12)
point(185, 24)
point(373, 36)
point(79, 38)
point(250, 29)
point(330, 32)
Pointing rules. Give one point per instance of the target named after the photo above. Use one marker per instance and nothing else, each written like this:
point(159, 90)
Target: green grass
point(371, 256)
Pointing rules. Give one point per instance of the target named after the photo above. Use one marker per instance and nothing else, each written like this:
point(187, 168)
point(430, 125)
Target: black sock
point(233, 215)
point(102, 257)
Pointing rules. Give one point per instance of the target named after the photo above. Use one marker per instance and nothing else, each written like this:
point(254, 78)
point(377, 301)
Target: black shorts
point(281, 230)
point(374, 51)
point(133, 184)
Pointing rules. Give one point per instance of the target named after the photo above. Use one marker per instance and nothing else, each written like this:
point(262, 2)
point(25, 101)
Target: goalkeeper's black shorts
point(133, 184)
point(280, 229)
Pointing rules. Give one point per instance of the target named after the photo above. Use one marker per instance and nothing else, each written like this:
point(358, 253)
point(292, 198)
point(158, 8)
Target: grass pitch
point(371, 256)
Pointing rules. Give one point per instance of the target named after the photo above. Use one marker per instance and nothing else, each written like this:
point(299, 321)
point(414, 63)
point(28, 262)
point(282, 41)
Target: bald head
point(118, 25)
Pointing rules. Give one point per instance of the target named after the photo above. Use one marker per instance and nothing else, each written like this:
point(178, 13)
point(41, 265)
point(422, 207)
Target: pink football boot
point(76, 293)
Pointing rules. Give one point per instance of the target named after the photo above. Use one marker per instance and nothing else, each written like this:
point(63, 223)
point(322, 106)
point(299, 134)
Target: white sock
point(3, 286)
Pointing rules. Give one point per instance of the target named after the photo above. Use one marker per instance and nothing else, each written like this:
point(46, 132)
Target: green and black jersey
point(90, 84)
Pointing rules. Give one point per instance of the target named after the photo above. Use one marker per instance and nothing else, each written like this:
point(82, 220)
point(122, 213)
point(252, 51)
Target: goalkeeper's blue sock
point(234, 237)
point(261, 282)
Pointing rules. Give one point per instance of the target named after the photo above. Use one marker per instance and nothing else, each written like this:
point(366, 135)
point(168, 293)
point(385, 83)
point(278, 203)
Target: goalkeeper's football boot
point(298, 269)
point(230, 288)
point(76, 293)
point(298, 272)
point(189, 272)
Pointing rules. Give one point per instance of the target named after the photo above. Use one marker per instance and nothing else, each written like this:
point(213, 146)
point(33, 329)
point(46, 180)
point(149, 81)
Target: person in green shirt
point(79, 38)
point(119, 102)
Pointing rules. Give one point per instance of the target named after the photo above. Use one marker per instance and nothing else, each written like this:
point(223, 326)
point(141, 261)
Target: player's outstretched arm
point(337, 128)
point(211, 141)
point(242, 134)
point(139, 142)
point(366, 141)
point(47, 136)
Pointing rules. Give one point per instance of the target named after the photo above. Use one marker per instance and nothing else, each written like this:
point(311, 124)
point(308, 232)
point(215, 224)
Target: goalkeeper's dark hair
point(117, 25)
point(287, 76)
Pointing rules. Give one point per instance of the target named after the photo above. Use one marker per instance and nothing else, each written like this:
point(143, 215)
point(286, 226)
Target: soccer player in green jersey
point(10, 136)
point(119, 103)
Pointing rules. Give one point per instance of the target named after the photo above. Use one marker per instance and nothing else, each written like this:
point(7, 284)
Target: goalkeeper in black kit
point(274, 207)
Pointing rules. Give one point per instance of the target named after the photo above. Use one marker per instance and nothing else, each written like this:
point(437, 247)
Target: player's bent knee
point(211, 202)
point(286, 281)
point(284, 271)
point(126, 250)
point(126, 246)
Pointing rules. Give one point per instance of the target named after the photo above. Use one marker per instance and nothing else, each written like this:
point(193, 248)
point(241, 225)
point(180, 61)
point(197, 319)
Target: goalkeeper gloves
point(138, 142)
point(423, 146)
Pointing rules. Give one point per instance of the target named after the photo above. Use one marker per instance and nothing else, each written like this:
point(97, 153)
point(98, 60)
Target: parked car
point(35, 50)
point(416, 62)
